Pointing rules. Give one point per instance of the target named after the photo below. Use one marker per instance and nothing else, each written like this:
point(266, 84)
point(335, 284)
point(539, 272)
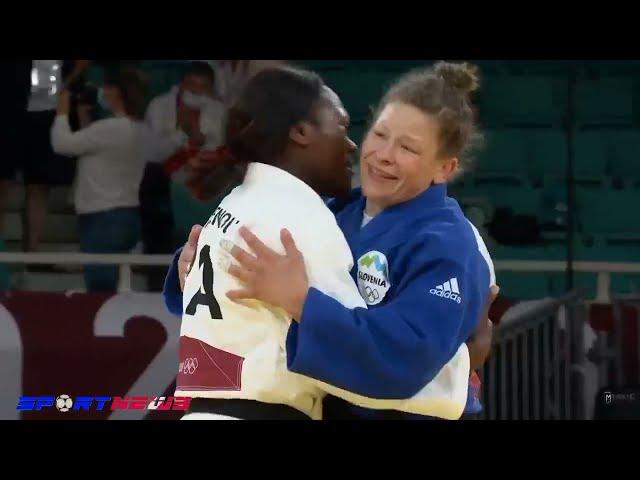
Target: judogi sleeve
point(390, 352)
point(171, 289)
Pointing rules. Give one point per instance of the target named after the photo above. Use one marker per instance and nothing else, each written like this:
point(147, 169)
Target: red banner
point(86, 345)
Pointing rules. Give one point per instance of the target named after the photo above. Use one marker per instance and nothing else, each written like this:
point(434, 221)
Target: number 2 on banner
point(110, 322)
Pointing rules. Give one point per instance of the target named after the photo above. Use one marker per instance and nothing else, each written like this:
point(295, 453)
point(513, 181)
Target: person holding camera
point(32, 89)
point(111, 158)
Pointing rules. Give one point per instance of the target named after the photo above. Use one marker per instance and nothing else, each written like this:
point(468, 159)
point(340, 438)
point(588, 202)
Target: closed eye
point(409, 149)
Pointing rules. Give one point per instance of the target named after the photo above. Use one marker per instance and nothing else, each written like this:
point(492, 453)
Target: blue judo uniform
point(420, 270)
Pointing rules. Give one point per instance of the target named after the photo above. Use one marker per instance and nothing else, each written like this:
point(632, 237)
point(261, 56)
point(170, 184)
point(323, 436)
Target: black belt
point(246, 409)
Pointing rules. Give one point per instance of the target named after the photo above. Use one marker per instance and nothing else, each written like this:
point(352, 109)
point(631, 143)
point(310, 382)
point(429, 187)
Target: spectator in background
point(232, 75)
point(184, 121)
point(15, 89)
point(111, 158)
point(29, 148)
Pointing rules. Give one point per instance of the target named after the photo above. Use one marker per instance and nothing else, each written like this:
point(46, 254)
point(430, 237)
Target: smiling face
point(399, 157)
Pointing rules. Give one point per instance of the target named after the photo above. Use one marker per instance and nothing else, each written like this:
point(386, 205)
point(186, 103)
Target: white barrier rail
point(602, 269)
point(126, 261)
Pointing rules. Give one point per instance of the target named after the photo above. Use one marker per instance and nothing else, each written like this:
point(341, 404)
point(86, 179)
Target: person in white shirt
point(111, 158)
point(187, 119)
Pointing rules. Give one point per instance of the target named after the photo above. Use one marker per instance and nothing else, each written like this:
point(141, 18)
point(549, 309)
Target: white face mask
point(192, 100)
point(102, 101)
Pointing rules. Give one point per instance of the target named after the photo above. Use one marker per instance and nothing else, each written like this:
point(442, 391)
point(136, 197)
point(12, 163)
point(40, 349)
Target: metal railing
point(536, 369)
point(124, 261)
point(608, 350)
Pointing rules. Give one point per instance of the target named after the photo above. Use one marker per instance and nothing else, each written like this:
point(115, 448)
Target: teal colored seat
point(360, 91)
point(623, 148)
point(522, 99)
point(607, 253)
point(610, 214)
point(625, 283)
point(503, 158)
point(523, 285)
point(536, 252)
point(546, 153)
point(604, 101)
point(590, 165)
point(526, 201)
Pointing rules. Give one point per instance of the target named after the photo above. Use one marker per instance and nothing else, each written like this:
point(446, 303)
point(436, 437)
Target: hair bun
point(462, 77)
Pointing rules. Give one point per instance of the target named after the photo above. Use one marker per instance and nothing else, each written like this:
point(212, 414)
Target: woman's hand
point(280, 280)
point(188, 254)
point(64, 102)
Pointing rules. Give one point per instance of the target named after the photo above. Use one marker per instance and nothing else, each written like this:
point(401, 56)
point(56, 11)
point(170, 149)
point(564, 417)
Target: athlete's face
point(332, 148)
point(399, 157)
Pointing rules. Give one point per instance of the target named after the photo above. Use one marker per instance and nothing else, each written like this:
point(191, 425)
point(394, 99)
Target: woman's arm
point(97, 136)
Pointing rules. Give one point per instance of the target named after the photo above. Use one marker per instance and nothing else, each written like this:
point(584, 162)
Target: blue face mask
point(102, 101)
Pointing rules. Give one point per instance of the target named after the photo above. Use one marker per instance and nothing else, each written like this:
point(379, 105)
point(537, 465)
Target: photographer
point(111, 159)
point(32, 89)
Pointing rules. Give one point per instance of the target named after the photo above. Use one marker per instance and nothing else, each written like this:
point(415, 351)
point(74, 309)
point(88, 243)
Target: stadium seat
point(625, 283)
point(609, 214)
point(604, 101)
point(522, 100)
point(546, 153)
point(590, 163)
point(503, 159)
point(525, 201)
point(523, 285)
point(360, 91)
point(624, 155)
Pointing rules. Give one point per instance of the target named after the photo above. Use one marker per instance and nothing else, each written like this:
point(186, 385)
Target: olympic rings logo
point(189, 366)
point(372, 294)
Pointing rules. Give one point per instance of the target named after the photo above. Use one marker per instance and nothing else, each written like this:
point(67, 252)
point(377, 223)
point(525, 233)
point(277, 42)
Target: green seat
point(525, 201)
point(625, 283)
point(610, 214)
point(604, 101)
point(529, 252)
point(607, 253)
point(523, 285)
point(503, 158)
point(522, 100)
point(590, 165)
point(360, 91)
point(623, 147)
point(546, 153)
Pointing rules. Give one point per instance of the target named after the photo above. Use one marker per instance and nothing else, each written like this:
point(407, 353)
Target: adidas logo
point(448, 289)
